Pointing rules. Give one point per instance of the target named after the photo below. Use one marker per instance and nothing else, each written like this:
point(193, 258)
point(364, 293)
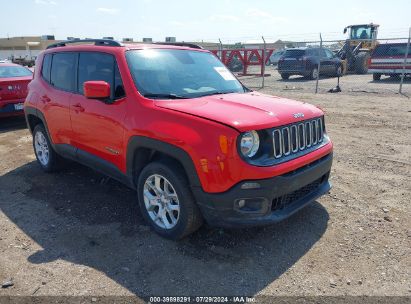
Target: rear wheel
point(166, 201)
point(47, 158)
point(285, 76)
point(361, 63)
point(376, 76)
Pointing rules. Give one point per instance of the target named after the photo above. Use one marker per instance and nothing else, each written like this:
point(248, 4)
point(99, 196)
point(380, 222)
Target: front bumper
point(276, 199)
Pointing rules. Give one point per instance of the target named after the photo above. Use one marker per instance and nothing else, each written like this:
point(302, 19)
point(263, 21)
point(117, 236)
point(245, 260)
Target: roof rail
point(100, 42)
point(190, 45)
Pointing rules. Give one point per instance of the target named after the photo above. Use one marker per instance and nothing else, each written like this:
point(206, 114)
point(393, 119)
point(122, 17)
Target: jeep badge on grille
point(298, 115)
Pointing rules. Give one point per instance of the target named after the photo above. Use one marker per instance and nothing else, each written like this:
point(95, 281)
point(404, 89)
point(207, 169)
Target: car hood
point(244, 112)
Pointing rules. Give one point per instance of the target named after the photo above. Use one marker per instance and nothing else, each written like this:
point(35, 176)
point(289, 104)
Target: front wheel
point(166, 201)
point(361, 62)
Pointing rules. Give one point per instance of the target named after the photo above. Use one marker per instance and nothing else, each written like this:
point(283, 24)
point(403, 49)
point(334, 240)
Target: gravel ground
point(77, 233)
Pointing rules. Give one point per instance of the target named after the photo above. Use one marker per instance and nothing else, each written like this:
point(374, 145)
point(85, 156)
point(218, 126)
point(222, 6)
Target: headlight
point(249, 143)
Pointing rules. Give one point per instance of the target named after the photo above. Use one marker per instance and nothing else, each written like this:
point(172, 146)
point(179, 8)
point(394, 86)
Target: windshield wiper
point(164, 96)
point(217, 93)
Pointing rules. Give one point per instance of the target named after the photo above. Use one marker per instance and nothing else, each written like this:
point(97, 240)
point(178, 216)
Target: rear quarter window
point(45, 69)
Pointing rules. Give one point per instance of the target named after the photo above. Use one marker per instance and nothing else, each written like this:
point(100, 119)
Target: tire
point(181, 216)
point(361, 62)
point(313, 73)
point(47, 158)
point(285, 76)
point(376, 76)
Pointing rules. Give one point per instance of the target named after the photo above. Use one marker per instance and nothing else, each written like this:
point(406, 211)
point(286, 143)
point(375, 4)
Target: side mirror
point(96, 89)
point(345, 30)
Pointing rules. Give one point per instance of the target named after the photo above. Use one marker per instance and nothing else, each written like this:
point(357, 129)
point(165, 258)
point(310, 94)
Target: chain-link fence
point(360, 64)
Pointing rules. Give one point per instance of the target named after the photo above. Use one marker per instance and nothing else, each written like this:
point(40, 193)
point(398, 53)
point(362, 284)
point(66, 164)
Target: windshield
point(361, 32)
point(180, 73)
point(14, 71)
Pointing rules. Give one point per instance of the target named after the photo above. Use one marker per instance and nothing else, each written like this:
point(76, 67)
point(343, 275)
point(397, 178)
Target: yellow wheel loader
point(356, 51)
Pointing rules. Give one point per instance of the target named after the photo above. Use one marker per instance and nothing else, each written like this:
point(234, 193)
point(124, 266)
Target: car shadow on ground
point(8, 124)
point(80, 216)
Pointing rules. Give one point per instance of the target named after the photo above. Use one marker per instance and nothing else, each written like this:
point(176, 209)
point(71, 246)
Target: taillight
point(369, 61)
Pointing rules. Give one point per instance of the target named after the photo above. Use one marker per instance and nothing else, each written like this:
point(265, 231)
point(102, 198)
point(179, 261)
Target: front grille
point(295, 138)
point(283, 201)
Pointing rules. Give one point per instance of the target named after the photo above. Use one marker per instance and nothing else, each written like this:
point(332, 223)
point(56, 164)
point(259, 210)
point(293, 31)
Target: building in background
point(24, 49)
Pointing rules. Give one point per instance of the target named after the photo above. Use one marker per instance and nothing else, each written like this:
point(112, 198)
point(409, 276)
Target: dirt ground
point(77, 233)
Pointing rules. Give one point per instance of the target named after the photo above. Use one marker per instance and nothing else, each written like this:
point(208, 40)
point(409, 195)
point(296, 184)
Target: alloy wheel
point(161, 201)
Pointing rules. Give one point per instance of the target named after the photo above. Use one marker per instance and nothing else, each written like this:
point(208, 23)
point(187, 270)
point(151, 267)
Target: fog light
point(250, 185)
point(251, 205)
point(241, 204)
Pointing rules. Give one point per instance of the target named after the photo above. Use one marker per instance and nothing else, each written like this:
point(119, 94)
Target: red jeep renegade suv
point(173, 123)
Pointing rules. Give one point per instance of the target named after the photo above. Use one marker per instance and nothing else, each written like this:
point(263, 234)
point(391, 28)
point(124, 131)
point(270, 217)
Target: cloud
point(110, 11)
point(263, 15)
point(224, 18)
point(176, 23)
point(46, 2)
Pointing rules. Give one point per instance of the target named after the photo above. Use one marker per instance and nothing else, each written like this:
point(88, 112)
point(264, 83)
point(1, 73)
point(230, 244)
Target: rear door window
point(63, 69)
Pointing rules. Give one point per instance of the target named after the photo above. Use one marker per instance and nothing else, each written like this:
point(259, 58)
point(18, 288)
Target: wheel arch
point(142, 150)
point(34, 117)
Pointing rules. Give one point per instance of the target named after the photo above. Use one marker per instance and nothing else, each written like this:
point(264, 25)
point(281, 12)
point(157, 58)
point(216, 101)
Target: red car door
point(98, 128)
point(58, 76)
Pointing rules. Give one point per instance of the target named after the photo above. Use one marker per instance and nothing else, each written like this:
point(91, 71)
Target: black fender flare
point(136, 142)
point(37, 113)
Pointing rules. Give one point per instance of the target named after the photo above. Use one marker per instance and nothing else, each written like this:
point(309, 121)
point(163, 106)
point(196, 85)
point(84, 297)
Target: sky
point(207, 20)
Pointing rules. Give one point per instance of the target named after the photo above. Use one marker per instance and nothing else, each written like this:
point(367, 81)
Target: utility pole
point(405, 60)
point(319, 64)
